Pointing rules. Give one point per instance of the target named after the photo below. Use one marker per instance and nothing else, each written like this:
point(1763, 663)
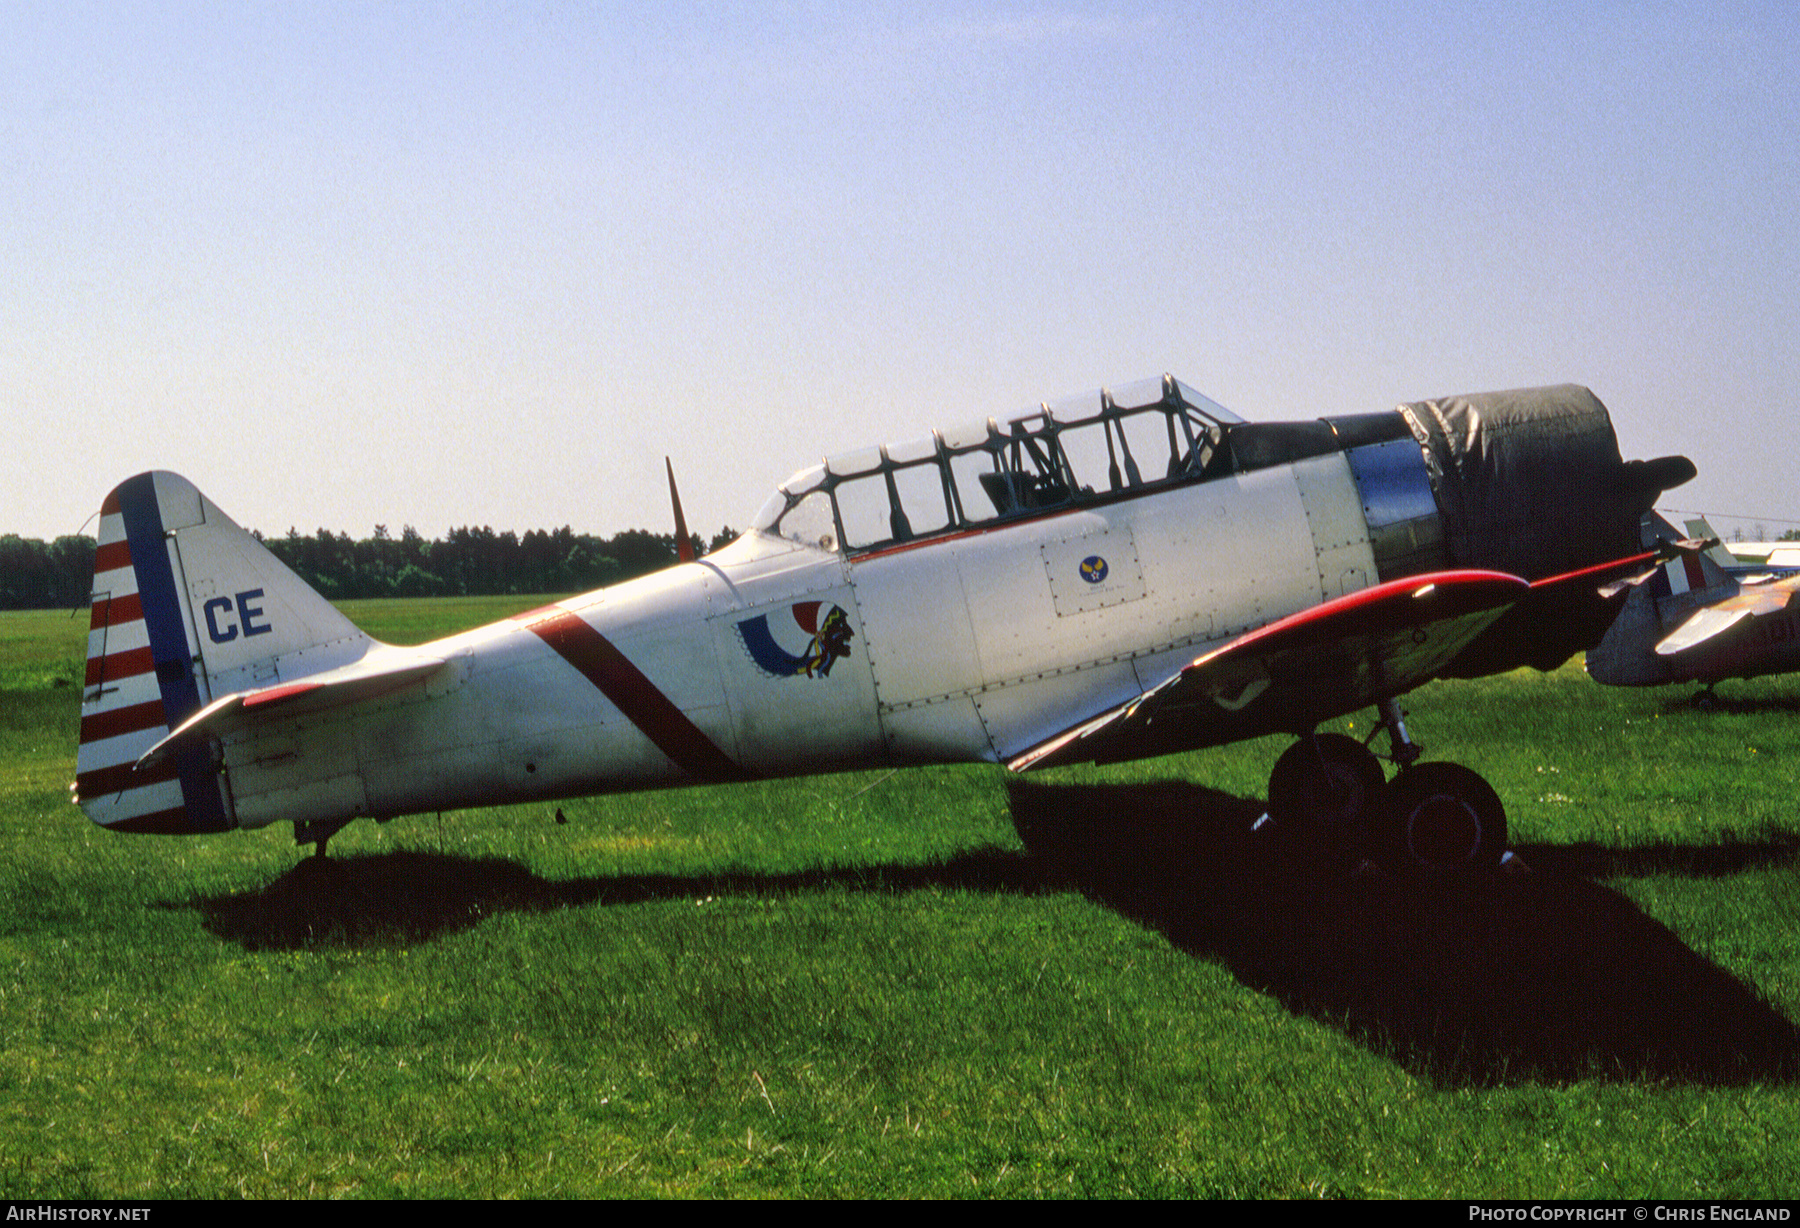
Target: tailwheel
point(1439, 820)
point(1326, 785)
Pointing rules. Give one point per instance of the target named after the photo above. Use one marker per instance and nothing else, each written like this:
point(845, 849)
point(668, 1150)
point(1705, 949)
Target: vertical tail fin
point(1696, 563)
point(187, 606)
point(1699, 564)
point(1715, 552)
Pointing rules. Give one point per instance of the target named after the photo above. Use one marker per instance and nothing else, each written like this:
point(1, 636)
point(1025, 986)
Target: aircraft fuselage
point(965, 598)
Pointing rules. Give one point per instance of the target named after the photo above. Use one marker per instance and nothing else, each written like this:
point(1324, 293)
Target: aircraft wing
point(1710, 622)
point(1293, 673)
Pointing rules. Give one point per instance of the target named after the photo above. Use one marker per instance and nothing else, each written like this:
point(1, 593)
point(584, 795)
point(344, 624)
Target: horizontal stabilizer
point(1706, 624)
point(380, 673)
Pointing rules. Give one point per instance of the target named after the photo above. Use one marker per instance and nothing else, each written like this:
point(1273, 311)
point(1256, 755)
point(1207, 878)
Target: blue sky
point(348, 265)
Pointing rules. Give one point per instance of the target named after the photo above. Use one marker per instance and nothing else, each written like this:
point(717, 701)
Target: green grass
point(872, 984)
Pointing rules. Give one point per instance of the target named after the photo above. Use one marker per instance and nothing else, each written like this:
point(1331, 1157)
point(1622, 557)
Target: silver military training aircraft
point(1134, 572)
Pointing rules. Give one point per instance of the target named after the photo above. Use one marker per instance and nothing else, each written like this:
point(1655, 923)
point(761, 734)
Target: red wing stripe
point(122, 720)
point(636, 696)
point(276, 694)
point(1427, 598)
point(117, 666)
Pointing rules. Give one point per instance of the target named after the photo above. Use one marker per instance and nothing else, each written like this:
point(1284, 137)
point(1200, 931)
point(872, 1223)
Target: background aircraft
point(1129, 573)
point(1702, 617)
point(1746, 559)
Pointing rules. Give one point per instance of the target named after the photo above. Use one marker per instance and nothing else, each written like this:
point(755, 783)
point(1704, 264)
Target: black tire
point(1441, 820)
point(1326, 786)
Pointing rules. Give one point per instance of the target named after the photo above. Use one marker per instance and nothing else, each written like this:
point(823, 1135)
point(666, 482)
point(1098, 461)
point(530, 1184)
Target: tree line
point(465, 562)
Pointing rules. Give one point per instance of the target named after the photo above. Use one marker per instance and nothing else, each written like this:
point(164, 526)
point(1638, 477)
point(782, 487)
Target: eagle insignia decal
point(816, 634)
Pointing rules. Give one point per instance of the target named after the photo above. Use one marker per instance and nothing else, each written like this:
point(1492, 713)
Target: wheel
point(1441, 819)
point(1325, 785)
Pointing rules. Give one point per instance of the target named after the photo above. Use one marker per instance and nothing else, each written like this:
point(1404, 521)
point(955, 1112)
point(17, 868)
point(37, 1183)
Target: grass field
point(919, 983)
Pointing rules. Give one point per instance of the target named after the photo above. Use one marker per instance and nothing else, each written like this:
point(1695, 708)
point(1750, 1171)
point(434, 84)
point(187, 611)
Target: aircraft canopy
point(1089, 448)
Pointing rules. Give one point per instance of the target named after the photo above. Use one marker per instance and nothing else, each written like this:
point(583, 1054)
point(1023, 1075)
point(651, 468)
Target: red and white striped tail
point(141, 673)
point(187, 606)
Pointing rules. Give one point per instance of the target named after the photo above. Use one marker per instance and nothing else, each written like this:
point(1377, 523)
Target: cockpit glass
point(848, 464)
point(790, 490)
point(1074, 408)
point(913, 450)
point(1205, 404)
point(1088, 448)
point(968, 435)
point(810, 523)
point(770, 512)
point(1140, 393)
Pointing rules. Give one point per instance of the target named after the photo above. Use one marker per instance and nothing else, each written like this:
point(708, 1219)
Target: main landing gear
point(1431, 820)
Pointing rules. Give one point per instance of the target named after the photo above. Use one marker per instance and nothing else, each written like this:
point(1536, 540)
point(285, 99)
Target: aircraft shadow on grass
point(411, 896)
point(1709, 702)
point(1490, 981)
point(1495, 979)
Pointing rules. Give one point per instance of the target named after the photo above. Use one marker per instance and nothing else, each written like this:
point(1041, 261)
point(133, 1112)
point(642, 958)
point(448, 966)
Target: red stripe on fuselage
point(116, 779)
point(162, 823)
point(635, 695)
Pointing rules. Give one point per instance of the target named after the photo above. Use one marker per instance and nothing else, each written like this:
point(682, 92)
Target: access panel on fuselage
point(1035, 624)
point(1334, 514)
point(921, 651)
point(1177, 568)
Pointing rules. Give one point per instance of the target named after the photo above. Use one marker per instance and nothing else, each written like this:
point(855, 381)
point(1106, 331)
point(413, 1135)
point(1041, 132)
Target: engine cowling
point(1531, 482)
